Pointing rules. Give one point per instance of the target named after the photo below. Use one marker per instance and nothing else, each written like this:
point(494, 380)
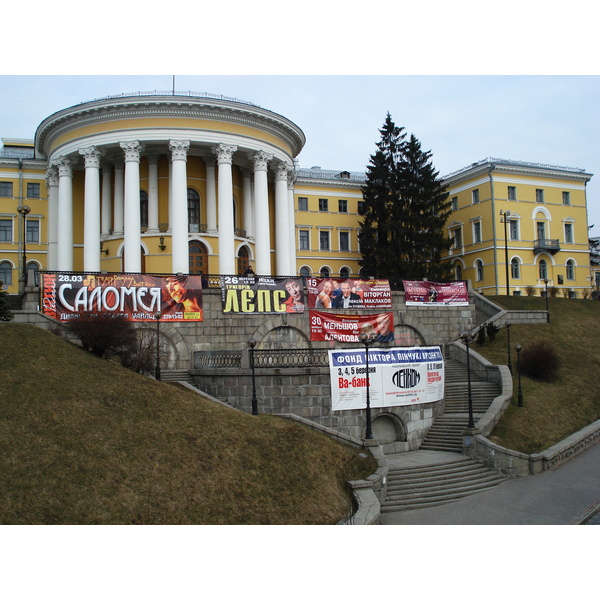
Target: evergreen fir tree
point(405, 209)
point(380, 194)
point(5, 312)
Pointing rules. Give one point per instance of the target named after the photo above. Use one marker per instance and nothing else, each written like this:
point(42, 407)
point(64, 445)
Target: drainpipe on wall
point(492, 167)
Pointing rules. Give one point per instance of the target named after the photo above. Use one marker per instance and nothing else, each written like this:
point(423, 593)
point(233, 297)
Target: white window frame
point(300, 232)
point(349, 248)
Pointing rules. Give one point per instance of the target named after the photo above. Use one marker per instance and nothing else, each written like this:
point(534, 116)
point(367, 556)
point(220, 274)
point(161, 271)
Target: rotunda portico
point(136, 181)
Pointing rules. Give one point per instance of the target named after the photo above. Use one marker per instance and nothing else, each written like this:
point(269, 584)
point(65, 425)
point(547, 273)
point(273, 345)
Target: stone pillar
point(211, 194)
point(178, 217)
point(248, 204)
point(106, 202)
point(65, 215)
point(292, 221)
point(119, 196)
point(282, 220)
point(91, 218)
point(52, 184)
point(262, 230)
point(227, 263)
point(153, 193)
point(132, 224)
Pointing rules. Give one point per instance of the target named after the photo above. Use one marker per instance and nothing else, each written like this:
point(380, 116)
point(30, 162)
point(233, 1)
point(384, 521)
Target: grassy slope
point(555, 410)
point(86, 441)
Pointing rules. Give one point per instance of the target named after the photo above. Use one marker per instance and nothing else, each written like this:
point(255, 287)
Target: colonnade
point(121, 207)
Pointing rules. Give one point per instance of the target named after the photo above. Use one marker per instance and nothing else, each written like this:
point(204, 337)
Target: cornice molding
point(156, 107)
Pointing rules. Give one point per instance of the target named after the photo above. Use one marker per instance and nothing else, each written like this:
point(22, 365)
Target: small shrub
point(104, 335)
point(5, 312)
point(529, 290)
point(553, 292)
point(491, 330)
point(540, 361)
point(480, 339)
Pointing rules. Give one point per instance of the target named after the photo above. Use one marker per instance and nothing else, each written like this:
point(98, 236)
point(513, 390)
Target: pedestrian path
point(566, 496)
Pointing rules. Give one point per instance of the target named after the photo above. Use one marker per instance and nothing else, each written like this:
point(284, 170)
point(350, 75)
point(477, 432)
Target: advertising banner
point(426, 292)
point(67, 296)
point(397, 377)
point(259, 294)
point(346, 328)
point(332, 293)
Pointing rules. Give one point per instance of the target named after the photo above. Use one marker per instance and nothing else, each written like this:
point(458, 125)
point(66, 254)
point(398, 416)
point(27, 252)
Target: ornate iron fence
point(301, 357)
point(218, 359)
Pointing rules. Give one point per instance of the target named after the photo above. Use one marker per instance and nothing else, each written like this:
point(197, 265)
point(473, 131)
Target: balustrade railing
point(299, 357)
point(217, 359)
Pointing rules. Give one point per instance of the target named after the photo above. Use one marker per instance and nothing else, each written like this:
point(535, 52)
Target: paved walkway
point(565, 496)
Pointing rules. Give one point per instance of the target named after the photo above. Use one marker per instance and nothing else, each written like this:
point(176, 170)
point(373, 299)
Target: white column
point(211, 194)
point(52, 183)
point(227, 263)
point(282, 229)
point(106, 202)
point(133, 224)
point(119, 196)
point(292, 221)
point(262, 229)
point(153, 193)
point(178, 217)
point(248, 203)
point(65, 215)
point(91, 216)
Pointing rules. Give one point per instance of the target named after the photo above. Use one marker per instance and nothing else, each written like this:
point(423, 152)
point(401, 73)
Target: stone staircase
point(446, 432)
point(176, 375)
point(432, 485)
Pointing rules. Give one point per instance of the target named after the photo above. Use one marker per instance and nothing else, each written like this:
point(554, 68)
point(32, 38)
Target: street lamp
point(466, 337)
point(508, 324)
point(367, 339)
point(518, 348)
point(547, 309)
point(506, 215)
point(252, 343)
point(24, 210)
point(157, 316)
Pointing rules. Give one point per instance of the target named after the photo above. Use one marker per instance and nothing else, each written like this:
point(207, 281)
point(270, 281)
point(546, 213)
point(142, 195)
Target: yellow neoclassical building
point(519, 228)
point(168, 183)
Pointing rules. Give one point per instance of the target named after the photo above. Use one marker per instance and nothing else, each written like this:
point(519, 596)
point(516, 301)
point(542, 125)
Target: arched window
point(142, 257)
point(325, 272)
point(144, 209)
point(543, 269)
point(479, 269)
point(458, 273)
point(305, 272)
point(6, 270)
point(193, 204)
point(198, 258)
point(34, 268)
point(571, 269)
point(243, 260)
point(515, 268)
point(345, 272)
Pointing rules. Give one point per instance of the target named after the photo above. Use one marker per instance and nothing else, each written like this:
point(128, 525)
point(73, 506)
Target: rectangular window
point(6, 230)
point(344, 241)
point(514, 229)
point(360, 206)
point(566, 198)
point(304, 239)
point(33, 231)
point(6, 189)
point(302, 203)
point(568, 233)
point(33, 190)
point(323, 204)
point(455, 203)
point(512, 192)
point(324, 240)
point(475, 196)
point(476, 232)
point(457, 236)
point(343, 206)
point(539, 195)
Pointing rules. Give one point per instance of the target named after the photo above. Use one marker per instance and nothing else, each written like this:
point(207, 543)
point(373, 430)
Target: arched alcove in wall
point(388, 428)
point(282, 338)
